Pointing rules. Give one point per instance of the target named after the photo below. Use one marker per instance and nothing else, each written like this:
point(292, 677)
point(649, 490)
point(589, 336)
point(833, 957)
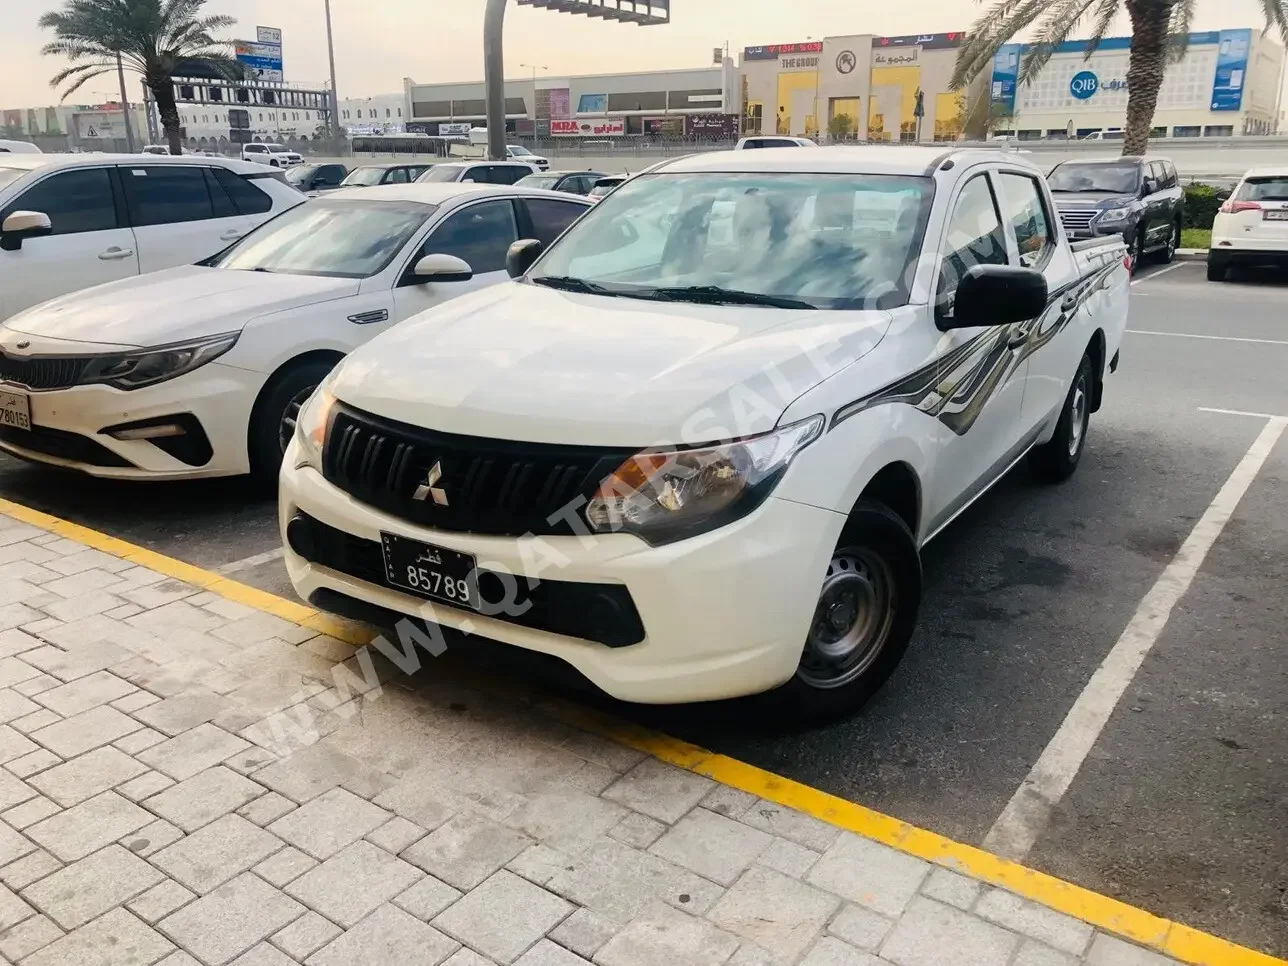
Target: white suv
point(69, 221)
point(1252, 227)
point(695, 448)
point(276, 155)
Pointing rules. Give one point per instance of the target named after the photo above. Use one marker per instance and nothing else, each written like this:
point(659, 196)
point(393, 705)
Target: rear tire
point(863, 621)
point(1168, 254)
point(1218, 270)
point(1056, 461)
point(273, 419)
point(1138, 253)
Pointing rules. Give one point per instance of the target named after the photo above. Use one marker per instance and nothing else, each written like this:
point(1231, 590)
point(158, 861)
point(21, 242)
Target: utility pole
point(335, 101)
point(535, 68)
point(125, 105)
point(494, 78)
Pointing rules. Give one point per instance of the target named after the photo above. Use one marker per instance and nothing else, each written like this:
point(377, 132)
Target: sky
point(378, 42)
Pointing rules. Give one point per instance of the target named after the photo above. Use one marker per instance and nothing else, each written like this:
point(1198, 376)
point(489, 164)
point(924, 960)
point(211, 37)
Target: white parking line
point(1214, 338)
point(1240, 412)
point(1161, 271)
point(1029, 811)
point(247, 563)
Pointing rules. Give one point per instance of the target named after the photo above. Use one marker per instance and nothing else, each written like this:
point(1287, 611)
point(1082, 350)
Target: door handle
point(115, 254)
point(230, 235)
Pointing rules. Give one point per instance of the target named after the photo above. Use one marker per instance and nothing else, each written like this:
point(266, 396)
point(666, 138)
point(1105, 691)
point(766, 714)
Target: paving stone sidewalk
point(188, 781)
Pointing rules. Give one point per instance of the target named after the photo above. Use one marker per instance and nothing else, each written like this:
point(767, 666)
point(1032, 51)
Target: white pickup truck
point(694, 449)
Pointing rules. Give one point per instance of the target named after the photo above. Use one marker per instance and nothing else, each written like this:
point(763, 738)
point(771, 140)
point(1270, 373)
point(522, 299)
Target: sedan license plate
point(435, 573)
point(1281, 215)
point(15, 410)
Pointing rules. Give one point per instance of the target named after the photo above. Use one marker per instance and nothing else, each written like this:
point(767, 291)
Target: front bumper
point(724, 614)
point(67, 425)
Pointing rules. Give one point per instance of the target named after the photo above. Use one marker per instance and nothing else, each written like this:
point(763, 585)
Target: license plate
point(434, 573)
point(15, 410)
point(1277, 215)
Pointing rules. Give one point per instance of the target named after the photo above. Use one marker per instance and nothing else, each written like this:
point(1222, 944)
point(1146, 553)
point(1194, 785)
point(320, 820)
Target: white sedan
point(200, 371)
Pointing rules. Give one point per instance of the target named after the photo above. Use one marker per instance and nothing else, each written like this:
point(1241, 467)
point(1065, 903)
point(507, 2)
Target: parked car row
point(435, 373)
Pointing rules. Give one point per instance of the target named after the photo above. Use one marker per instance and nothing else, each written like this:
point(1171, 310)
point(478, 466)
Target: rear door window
point(481, 234)
point(76, 201)
point(248, 198)
point(550, 217)
point(166, 195)
point(1022, 204)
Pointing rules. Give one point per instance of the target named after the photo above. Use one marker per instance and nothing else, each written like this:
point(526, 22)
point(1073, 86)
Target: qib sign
point(1086, 84)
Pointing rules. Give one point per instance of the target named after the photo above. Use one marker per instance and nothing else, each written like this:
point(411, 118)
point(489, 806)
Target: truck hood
point(1092, 199)
point(173, 305)
point(521, 362)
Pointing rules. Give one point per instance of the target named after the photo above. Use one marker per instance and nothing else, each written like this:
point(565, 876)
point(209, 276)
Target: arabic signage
point(262, 61)
point(600, 127)
point(774, 51)
point(450, 128)
point(720, 126)
point(1231, 69)
point(896, 57)
point(925, 41)
point(269, 35)
point(1006, 75)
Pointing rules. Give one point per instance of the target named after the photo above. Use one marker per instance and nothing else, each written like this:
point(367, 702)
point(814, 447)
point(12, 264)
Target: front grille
point(63, 445)
point(492, 486)
point(1078, 219)
point(603, 613)
point(42, 372)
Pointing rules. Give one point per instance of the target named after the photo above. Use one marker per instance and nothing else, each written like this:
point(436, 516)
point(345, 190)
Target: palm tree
point(152, 37)
point(1158, 33)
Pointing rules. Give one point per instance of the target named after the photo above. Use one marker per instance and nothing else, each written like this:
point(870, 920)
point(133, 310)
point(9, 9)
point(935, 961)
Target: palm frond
point(995, 27)
point(1276, 12)
point(1104, 18)
point(1178, 29)
point(89, 75)
point(1057, 24)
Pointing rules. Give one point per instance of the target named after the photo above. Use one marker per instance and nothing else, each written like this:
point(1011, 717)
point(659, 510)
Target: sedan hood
point(522, 362)
point(173, 305)
point(1092, 199)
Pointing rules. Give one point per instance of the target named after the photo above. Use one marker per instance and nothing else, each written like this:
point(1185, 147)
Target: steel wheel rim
point(291, 416)
point(852, 620)
point(1078, 413)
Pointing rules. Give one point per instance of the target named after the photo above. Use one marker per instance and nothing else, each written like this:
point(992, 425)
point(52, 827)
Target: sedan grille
point(42, 372)
point(462, 483)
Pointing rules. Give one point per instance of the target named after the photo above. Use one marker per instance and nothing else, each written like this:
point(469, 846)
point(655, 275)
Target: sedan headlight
point(146, 367)
point(1114, 214)
point(664, 495)
point(313, 423)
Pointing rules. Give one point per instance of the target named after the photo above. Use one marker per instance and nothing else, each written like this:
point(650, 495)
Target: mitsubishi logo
point(428, 488)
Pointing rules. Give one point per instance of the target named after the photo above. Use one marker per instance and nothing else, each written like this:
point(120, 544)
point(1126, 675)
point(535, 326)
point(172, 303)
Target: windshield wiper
point(716, 295)
point(569, 283)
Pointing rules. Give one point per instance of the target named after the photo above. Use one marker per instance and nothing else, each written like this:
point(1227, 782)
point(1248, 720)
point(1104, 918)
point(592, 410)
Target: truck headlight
point(313, 423)
point(1110, 215)
point(664, 495)
point(146, 367)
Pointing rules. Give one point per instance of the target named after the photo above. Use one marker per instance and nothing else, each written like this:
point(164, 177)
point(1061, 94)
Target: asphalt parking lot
point(1177, 806)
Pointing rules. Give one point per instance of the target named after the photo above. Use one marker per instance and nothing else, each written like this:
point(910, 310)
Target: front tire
point(863, 620)
point(1056, 461)
point(274, 416)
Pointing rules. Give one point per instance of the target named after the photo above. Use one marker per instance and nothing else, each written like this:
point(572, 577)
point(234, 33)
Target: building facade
point(660, 103)
point(1227, 83)
point(381, 114)
point(888, 88)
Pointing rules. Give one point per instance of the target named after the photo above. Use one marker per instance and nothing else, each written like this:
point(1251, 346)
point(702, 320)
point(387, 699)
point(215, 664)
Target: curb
point(1191, 255)
point(1103, 912)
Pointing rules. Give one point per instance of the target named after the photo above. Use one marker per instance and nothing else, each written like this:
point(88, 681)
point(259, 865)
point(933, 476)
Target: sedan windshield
point(363, 177)
point(339, 239)
point(440, 172)
point(816, 241)
point(518, 149)
point(1116, 179)
point(297, 176)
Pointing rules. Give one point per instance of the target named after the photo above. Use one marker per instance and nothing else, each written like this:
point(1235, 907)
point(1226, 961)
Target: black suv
point(1138, 198)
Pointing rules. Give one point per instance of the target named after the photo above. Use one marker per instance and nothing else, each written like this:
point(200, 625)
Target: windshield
point(298, 176)
point(1116, 179)
point(824, 241)
point(440, 172)
point(364, 177)
point(540, 180)
point(519, 150)
point(1274, 188)
point(340, 239)
point(10, 175)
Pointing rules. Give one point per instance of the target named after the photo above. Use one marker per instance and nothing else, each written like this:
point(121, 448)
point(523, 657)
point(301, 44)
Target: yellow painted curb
point(1171, 938)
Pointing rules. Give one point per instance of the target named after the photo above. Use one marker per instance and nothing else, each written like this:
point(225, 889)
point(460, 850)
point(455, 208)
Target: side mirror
point(440, 267)
point(23, 224)
point(521, 256)
point(994, 295)
point(1149, 187)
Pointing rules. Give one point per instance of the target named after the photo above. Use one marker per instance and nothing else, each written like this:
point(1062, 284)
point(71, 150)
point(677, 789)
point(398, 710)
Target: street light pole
point(335, 102)
point(535, 68)
point(494, 77)
point(125, 106)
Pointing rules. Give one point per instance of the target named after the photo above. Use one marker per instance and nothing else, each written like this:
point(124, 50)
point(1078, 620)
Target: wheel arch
point(304, 358)
point(896, 486)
